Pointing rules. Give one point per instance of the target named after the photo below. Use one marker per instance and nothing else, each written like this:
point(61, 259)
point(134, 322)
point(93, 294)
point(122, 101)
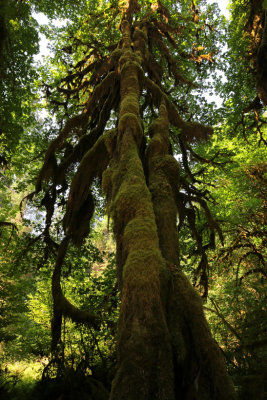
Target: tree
point(126, 82)
point(237, 270)
point(18, 45)
point(245, 67)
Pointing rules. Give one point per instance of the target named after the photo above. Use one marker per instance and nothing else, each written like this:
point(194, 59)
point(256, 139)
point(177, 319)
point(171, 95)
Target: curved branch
point(189, 130)
point(253, 271)
point(78, 122)
point(87, 141)
point(80, 205)
point(9, 224)
point(62, 306)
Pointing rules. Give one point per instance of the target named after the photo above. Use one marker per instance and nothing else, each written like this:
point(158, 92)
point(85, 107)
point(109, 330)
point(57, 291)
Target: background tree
point(237, 270)
point(238, 187)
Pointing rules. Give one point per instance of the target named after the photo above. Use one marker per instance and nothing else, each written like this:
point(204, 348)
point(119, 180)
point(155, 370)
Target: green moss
point(130, 120)
point(169, 167)
point(139, 42)
point(146, 361)
point(107, 180)
point(133, 67)
point(125, 26)
point(159, 126)
point(116, 54)
point(144, 345)
point(140, 34)
point(163, 183)
point(128, 205)
point(156, 146)
point(130, 104)
point(109, 139)
point(129, 64)
point(140, 233)
point(130, 170)
point(80, 205)
point(143, 267)
point(127, 55)
point(165, 212)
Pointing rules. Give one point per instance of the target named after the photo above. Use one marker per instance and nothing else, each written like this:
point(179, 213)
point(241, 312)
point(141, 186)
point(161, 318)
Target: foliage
point(236, 302)
point(222, 184)
point(19, 43)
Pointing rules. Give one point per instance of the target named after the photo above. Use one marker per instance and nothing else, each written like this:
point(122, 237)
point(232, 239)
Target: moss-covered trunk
point(144, 351)
point(165, 349)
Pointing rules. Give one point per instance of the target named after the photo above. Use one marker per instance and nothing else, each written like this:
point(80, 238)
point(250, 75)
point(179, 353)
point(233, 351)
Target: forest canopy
point(133, 200)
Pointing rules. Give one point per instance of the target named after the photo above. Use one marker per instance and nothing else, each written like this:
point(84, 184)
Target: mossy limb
point(186, 315)
point(145, 342)
point(110, 141)
point(100, 91)
point(169, 166)
point(116, 54)
point(144, 359)
point(140, 34)
point(126, 34)
point(128, 66)
point(140, 39)
point(131, 120)
point(129, 105)
point(80, 205)
point(140, 233)
point(163, 180)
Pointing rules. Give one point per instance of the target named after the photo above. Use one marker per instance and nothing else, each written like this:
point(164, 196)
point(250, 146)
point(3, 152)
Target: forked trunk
point(165, 348)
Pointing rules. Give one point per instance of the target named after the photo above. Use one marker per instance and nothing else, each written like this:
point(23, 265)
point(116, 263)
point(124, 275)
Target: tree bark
point(165, 348)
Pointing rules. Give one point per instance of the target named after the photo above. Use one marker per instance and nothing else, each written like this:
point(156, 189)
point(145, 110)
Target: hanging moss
point(100, 91)
point(107, 187)
point(189, 131)
point(76, 123)
point(80, 205)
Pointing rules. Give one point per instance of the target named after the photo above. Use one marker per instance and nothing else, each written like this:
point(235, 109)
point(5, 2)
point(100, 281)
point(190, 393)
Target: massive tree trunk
point(165, 348)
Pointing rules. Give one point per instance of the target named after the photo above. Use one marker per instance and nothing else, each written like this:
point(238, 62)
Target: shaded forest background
point(225, 260)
